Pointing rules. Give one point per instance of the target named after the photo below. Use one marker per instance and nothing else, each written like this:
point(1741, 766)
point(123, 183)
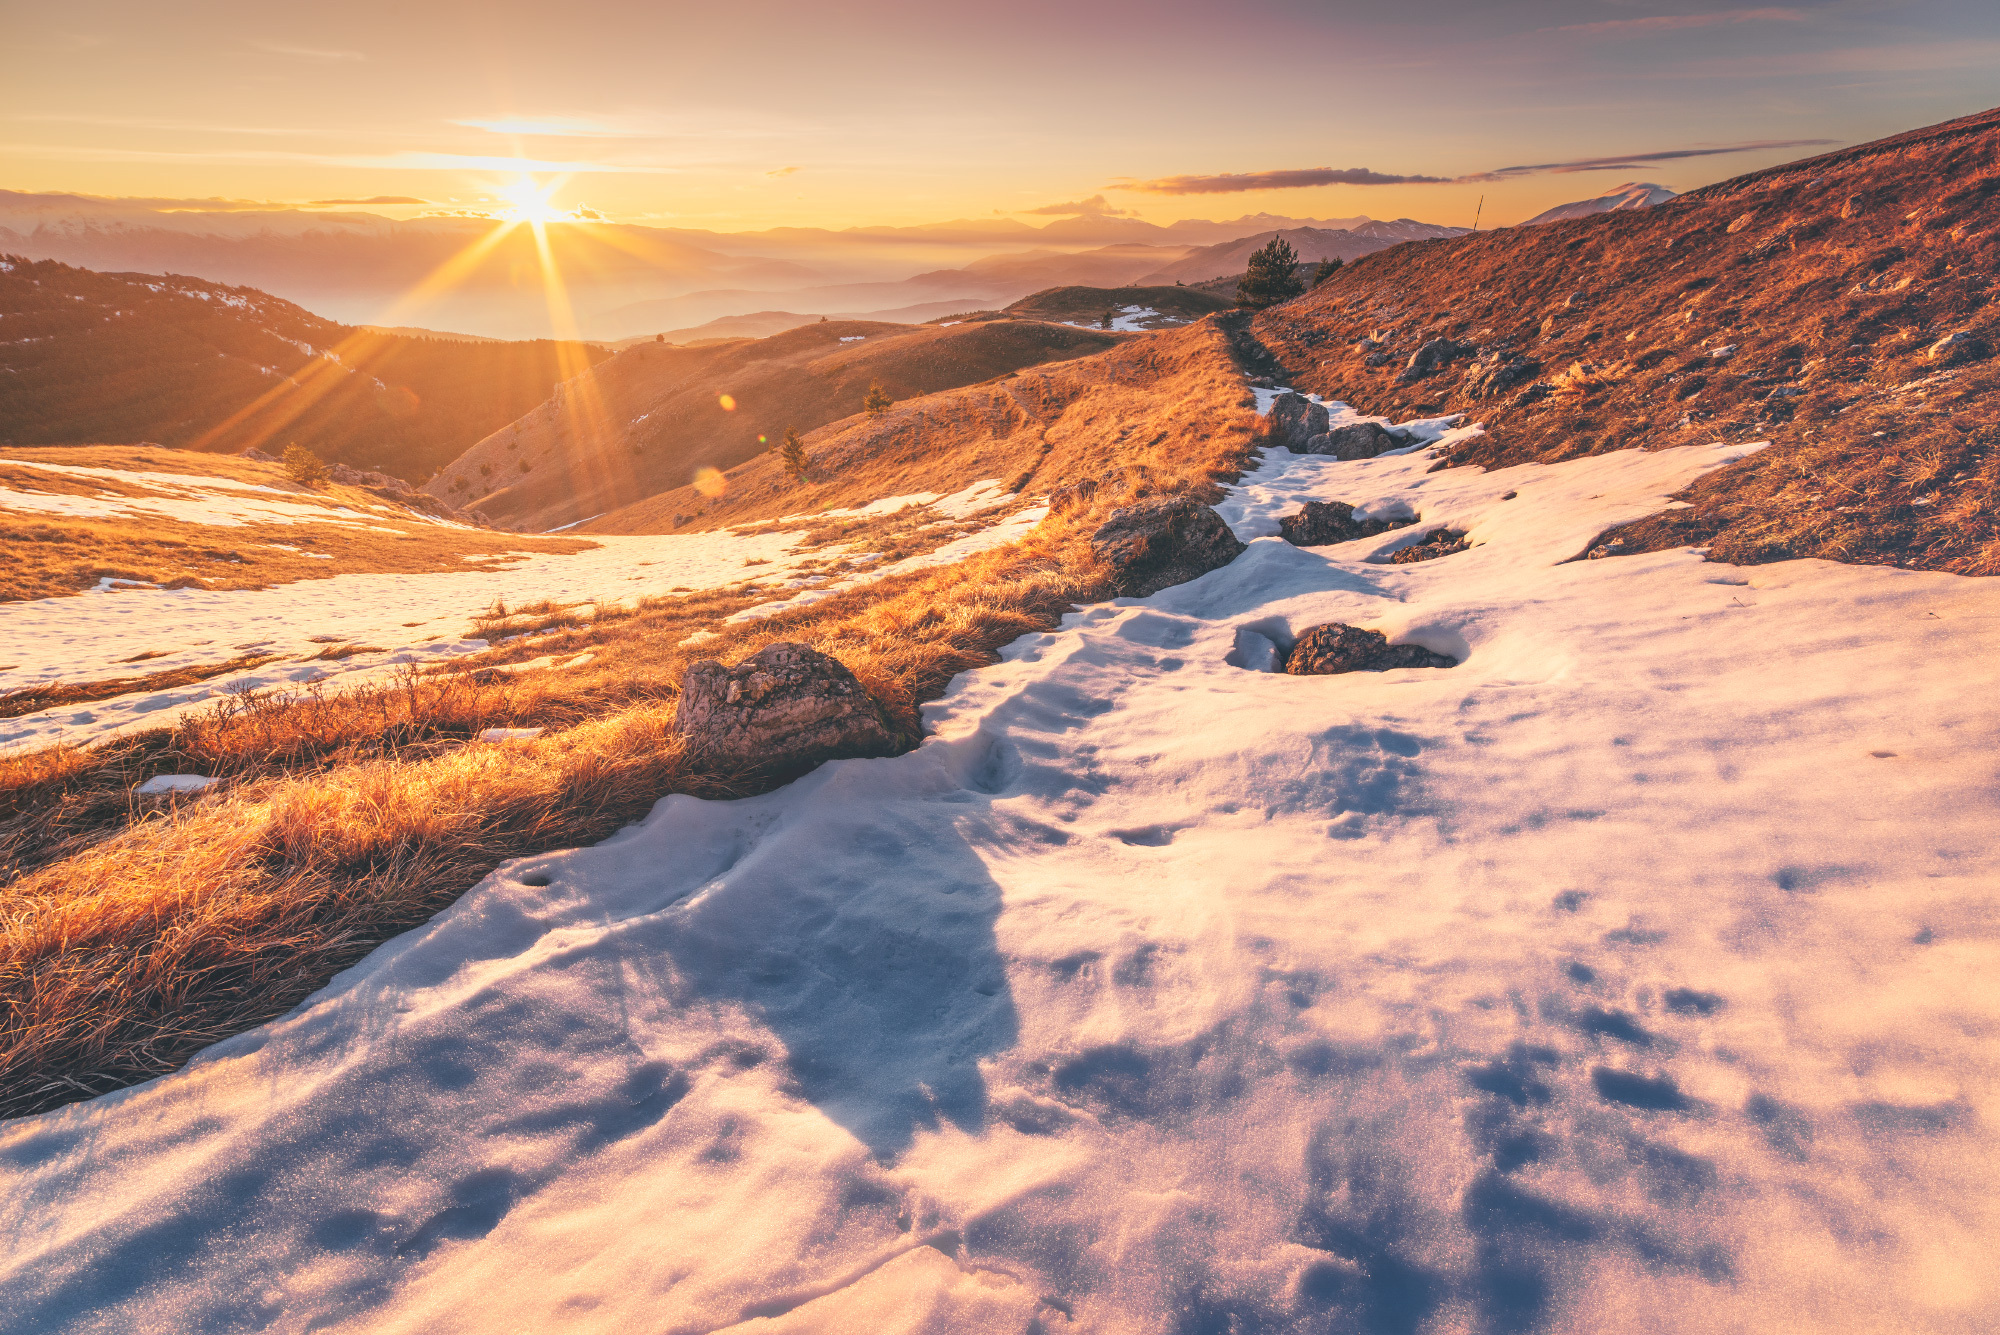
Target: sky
point(761, 113)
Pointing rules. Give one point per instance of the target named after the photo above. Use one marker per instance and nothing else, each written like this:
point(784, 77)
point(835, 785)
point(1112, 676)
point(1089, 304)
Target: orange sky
point(756, 114)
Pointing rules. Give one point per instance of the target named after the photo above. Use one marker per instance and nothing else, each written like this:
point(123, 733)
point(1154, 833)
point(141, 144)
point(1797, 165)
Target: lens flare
point(709, 481)
point(728, 403)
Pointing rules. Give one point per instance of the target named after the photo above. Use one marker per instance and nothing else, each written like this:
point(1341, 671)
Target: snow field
point(1632, 975)
point(191, 499)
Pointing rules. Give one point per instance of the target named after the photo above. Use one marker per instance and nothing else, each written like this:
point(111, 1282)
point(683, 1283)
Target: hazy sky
point(757, 113)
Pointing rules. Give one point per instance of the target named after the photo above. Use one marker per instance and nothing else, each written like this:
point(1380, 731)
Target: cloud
point(1671, 22)
point(1636, 161)
point(408, 161)
point(375, 199)
point(1235, 182)
point(1094, 207)
point(555, 127)
point(782, 171)
point(320, 54)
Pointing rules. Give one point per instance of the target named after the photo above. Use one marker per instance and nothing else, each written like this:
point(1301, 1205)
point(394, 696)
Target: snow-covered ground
point(1634, 975)
point(409, 618)
point(192, 499)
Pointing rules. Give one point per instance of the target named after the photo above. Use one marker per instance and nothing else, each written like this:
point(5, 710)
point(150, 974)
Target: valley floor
point(1634, 974)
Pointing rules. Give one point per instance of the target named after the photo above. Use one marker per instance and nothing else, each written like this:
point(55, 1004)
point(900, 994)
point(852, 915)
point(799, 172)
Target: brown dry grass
point(133, 935)
point(50, 556)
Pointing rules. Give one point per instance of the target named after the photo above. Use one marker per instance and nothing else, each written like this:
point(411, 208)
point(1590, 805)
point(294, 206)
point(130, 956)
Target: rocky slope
point(1839, 307)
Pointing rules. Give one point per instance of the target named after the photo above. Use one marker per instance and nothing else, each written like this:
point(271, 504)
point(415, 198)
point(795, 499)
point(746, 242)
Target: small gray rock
point(1159, 543)
point(1951, 347)
point(782, 710)
point(1496, 373)
point(1296, 419)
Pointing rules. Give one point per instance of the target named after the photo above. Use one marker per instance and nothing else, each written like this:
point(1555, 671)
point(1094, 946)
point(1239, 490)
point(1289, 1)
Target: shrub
point(876, 401)
point(304, 467)
point(1326, 270)
point(1105, 321)
point(1273, 276)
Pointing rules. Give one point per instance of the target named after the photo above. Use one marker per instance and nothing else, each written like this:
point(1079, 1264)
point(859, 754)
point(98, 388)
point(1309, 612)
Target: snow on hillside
point(188, 498)
point(405, 619)
point(1633, 975)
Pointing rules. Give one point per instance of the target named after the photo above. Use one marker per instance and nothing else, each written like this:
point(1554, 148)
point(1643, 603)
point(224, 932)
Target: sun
point(528, 202)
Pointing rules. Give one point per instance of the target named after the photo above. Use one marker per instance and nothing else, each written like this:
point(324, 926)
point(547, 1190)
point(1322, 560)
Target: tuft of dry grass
point(132, 935)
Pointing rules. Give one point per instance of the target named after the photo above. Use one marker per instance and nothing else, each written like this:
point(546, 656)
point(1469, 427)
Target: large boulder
point(1334, 648)
point(1356, 440)
point(1295, 420)
point(1428, 358)
point(782, 710)
point(1156, 544)
point(1322, 523)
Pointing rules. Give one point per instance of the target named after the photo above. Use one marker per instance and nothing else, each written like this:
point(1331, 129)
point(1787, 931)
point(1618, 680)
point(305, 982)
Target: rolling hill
point(1312, 243)
point(646, 420)
point(91, 357)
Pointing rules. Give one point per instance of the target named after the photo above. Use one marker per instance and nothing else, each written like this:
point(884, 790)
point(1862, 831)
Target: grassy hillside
point(645, 421)
point(1090, 303)
point(89, 357)
point(1840, 307)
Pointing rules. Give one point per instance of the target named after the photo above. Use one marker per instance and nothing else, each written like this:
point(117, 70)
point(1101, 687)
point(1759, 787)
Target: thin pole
point(1476, 212)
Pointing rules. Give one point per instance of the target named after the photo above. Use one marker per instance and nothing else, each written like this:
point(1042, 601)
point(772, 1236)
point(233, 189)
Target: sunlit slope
point(1840, 307)
point(90, 357)
point(644, 422)
point(1124, 416)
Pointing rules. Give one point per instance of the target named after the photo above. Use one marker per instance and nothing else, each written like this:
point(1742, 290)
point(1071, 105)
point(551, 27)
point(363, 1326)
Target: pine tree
point(877, 402)
point(304, 467)
point(1273, 276)
point(1105, 322)
point(1326, 270)
point(793, 455)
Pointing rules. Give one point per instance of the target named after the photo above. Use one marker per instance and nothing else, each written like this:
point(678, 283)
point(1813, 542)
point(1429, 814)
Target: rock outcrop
point(1334, 648)
point(783, 710)
point(1428, 358)
point(1356, 440)
point(1295, 420)
point(1322, 523)
point(1159, 543)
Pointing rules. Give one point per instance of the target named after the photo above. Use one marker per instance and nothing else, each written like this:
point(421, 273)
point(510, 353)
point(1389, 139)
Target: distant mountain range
point(622, 280)
point(1631, 195)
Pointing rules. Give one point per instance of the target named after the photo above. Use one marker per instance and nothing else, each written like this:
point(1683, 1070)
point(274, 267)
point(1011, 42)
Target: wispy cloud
point(373, 199)
point(1238, 182)
point(1672, 22)
point(322, 55)
point(781, 171)
point(1229, 183)
point(554, 127)
point(410, 161)
point(1094, 207)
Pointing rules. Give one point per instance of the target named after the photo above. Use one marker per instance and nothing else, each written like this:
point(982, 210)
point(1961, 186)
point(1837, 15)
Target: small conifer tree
point(1326, 270)
point(1105, 322)
point(793, 454)
point(1273, 276)
point(877, 401)
point(304, 467)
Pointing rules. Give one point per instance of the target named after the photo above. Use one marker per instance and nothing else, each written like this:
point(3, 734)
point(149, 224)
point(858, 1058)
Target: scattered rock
point(1322, 523)
point(1438, 542)
point(1534, 393)
point(1496, 373)
point(784, 709)
point(1740, 223)
point(1377, 359)
point(1296, 419)
point(1428, 358)
point(1952, 347)
point(255, 455)
point(1368, 345)
point(1159, 543)
point(1615, 547)
point(1333, 648)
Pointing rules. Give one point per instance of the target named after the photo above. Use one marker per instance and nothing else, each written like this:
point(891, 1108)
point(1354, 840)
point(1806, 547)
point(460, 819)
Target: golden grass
point(132, 935)
point(51, 555)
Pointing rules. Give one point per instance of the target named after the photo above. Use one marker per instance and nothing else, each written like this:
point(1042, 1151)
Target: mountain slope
point(1631, 195)
point(645, 421)
point(1841, 307)
point(89, 357)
